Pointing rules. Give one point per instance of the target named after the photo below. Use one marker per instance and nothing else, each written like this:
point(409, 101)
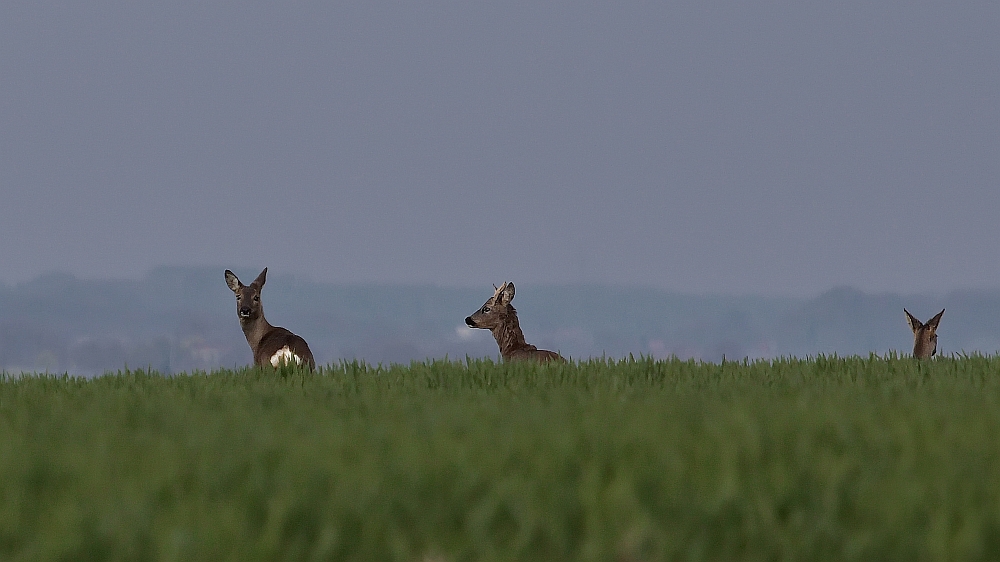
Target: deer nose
point(469, 322)
point(245, 311)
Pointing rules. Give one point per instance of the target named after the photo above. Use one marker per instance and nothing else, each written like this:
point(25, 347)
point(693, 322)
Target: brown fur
point(924, 335)
point(499, 317)
point(265, 340)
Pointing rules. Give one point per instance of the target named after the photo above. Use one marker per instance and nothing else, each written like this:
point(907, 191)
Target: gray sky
point(779, 147)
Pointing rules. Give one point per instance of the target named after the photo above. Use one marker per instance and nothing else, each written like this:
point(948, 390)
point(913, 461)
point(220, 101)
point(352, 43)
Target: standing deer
point(924, 335)
point(270, 345)
point(499, 317)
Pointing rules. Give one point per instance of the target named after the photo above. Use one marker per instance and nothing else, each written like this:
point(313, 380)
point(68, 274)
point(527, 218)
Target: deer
point(924, 335)
point(499, 317)
point(271, 345)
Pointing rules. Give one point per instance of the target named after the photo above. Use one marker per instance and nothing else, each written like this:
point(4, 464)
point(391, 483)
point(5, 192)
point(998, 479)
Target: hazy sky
point(778, 147)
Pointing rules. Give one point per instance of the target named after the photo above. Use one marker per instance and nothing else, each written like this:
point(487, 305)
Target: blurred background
point(182, 319)
point(692, 177)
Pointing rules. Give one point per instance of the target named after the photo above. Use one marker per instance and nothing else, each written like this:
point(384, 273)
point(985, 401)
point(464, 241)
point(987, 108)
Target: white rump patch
point(284, 356)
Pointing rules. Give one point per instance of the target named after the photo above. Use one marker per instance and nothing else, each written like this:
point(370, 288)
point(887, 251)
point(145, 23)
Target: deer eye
point(256, 298)
point(486, 309)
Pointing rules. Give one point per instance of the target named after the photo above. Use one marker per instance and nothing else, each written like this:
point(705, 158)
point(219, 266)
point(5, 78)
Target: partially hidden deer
point(271, 345)
point(499, 317)
point(924, 335)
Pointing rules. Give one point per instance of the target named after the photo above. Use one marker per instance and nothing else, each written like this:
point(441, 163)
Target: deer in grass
point(499, 317)
point(270, 345)
point(924, 335)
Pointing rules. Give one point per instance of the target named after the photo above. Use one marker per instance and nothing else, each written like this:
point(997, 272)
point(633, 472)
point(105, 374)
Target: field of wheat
point(815, 459)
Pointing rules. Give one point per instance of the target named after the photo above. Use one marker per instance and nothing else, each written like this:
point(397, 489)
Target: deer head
point(924, 335)
point(495, 312)
point(248, 306)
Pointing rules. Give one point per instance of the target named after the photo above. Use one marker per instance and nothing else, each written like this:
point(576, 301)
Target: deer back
point(282, 346)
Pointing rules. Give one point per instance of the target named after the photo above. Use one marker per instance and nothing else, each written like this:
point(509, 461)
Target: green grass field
point(819, 459)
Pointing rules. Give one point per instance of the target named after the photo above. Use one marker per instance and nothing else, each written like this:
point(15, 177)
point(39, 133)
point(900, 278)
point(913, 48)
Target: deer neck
point(508, 334)
point(924, 349)
point(254, 330)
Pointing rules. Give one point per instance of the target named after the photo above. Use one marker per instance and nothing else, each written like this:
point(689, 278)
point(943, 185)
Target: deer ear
point(233, 281)
point(259, 281)
point(507, 293)
point(933, 322)
point(914, 323)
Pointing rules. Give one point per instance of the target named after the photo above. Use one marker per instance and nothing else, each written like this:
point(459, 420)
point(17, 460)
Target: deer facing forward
point(924, 335)
point(499, 317)
point(270, 345)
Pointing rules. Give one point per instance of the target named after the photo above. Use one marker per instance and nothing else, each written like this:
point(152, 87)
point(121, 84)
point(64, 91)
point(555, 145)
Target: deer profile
point(270, 345)
point(924, 335)
point(499, 317)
